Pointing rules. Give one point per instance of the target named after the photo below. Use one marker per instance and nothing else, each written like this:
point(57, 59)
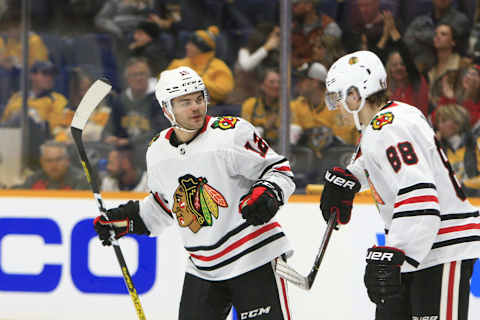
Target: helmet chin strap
point(356, 118)
point(176, 125)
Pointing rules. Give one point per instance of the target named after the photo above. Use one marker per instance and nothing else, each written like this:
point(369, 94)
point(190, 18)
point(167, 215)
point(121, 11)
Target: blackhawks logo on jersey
point(195, 202)
point(381, 120)
point(225, 123)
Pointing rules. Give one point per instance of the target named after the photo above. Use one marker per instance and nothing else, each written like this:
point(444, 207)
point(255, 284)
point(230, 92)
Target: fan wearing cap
point(200, 56)
point(309, 109)
point(145, 44)
point(44, 104)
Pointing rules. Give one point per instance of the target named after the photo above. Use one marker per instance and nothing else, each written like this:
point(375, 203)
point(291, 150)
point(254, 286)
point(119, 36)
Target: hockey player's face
point(353, 99)
point(189, 110)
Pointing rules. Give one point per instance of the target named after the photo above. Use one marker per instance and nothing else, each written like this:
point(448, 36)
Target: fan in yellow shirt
point(311, 114)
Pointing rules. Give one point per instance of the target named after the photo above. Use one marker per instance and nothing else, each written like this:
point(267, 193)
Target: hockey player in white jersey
point(221, 184)
point(433, 232)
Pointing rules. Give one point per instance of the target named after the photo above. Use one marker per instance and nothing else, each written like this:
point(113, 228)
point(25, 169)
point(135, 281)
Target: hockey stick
point(94, 95)
point(305, 282)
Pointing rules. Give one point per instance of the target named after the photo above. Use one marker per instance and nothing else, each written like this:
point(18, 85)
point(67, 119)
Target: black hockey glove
point(338, 193)
point(123, 219)
point(382, 274)
point(261, 203)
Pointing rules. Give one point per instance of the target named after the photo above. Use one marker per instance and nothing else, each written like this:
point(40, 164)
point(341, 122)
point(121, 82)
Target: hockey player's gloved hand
point(123, 219)
point(338, 193)
point(382, 274)
point(261, 203)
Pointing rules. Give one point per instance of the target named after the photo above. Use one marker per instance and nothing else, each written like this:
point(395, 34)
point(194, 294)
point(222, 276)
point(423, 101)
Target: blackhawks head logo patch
point(225, 123)
point(381, 120)
point(352, 60)
point(195, 202)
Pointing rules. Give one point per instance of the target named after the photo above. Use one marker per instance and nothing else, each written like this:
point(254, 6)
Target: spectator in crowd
point(45, 106)
point(200, 56)
point(168, 18)
point(210, 14)
point(405, 82)
point(121, 17)
point(465, 92)
point(261, 51)
point(447, 57)
point(263, 109)
point(80, 80)
point(11, 55)
point(308, 24)
point(146, 44)
point(326, 49)
point(366, 26)
point(419, 35)
point(122, 173)
point(136, 115)
point(169, 14)
point(453, 131)
point(311, 114)
point(56, 171)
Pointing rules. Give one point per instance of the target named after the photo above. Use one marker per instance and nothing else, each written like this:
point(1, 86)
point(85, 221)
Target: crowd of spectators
point(430, 49)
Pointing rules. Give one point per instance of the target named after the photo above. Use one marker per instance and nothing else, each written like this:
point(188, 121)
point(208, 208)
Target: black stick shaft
point(92, 178)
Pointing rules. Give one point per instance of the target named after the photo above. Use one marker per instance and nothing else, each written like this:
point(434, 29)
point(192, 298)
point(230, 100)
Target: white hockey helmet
point(362, 71)
point(175, 83)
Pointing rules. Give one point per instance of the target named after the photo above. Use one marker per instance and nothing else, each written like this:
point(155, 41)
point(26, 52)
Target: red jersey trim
point(169, 134)
point(238, 243)
point(418, 199)
point(283, 168)
point(162, 204)
point(470, 226)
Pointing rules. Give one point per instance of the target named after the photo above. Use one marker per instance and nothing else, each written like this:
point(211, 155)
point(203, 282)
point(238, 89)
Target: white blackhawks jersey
point(418, 196)
point(197, 186)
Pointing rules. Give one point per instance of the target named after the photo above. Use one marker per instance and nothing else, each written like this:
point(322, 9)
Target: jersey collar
point(389, 105)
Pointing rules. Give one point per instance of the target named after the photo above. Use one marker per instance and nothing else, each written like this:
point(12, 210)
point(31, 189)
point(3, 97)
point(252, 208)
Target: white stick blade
point(286, 272)
point(97, 91)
